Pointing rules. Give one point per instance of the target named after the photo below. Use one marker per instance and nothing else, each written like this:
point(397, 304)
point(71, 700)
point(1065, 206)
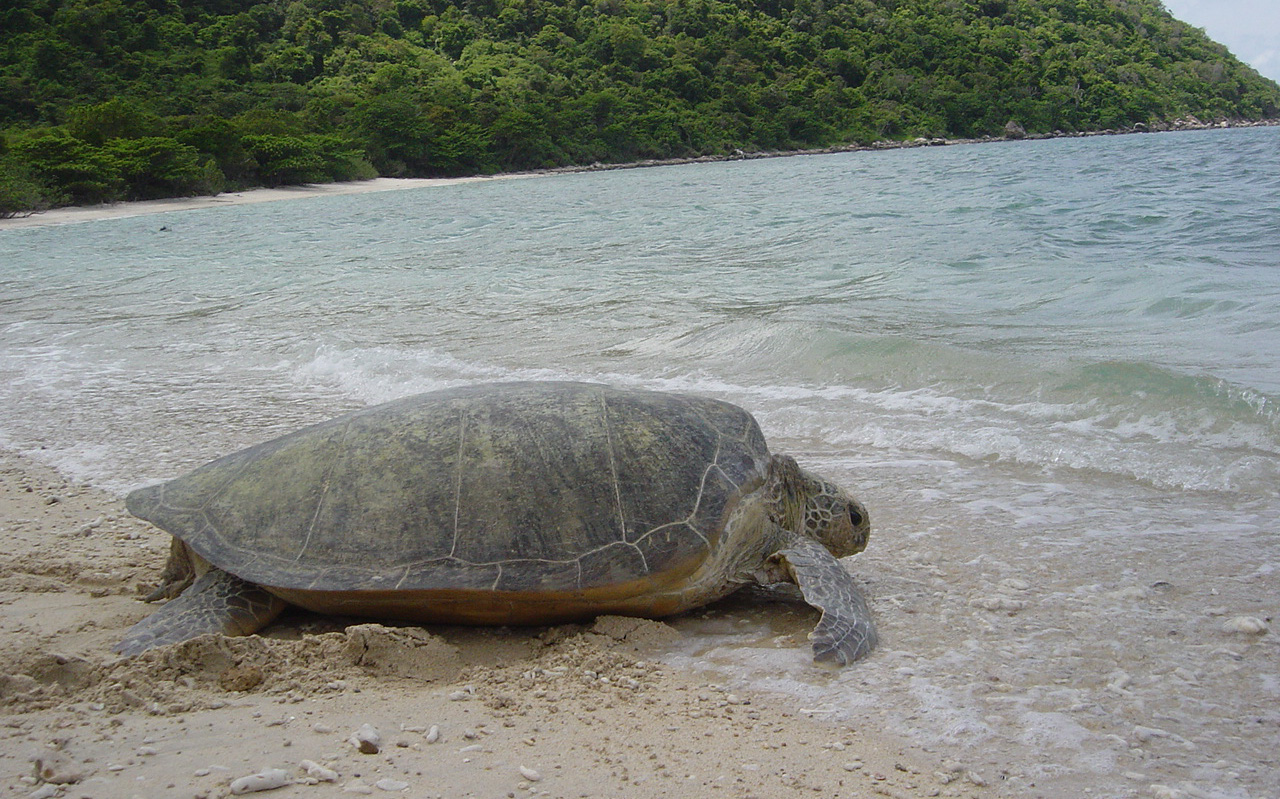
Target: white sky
point(1249, 28)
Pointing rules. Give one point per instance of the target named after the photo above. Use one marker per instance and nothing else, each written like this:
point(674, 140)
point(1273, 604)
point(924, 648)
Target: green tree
point(396, 133)
point(117, 118)
point(217, 139)
point(74, 171)
point(153, 167)
point(310, 158)
point(20, 193)
point(275, 92)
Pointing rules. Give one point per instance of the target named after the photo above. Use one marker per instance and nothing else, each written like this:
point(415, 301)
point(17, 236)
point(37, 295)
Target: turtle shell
point(520, 487)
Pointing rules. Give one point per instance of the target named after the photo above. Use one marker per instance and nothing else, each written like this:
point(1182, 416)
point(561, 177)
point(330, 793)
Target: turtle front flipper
point(217, 602)
point(845, 632)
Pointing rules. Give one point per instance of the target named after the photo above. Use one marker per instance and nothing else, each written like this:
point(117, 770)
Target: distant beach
point(72, 214)
point(91, 213)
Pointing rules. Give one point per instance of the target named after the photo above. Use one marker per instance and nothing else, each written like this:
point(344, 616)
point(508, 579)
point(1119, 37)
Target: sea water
point(1050, 369)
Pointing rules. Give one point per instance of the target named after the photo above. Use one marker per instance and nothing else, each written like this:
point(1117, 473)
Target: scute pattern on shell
point(521, 487)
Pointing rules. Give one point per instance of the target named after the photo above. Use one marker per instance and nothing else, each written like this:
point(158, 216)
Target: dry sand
point(91, 213)
point(567, 711)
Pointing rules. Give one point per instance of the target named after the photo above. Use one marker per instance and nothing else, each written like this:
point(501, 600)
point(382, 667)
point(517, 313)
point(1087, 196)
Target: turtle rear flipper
point(845, 632)
point(178, 575)
point(217, 602)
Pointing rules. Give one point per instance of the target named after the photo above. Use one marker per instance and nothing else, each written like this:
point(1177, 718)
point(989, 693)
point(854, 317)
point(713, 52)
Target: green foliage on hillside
point(127, 99)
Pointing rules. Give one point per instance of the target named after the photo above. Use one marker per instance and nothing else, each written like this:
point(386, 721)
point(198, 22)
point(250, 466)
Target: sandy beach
point(568, 711)
point(91, 213)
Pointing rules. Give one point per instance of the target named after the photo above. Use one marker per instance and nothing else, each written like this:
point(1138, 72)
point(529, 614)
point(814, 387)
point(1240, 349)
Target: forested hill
point(125, 99)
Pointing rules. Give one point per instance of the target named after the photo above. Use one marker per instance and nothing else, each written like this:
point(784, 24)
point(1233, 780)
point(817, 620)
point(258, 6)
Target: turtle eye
point(854, 516)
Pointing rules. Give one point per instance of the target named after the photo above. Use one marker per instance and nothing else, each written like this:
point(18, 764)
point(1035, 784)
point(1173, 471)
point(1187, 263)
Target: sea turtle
point(506, 503)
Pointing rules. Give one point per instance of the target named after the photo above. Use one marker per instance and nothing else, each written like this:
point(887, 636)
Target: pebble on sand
point(1246, 625)
point(388, 784)
point(57, 769)
point(318, 772)
point(265, 780)
point(530, 774)
point(367, 739)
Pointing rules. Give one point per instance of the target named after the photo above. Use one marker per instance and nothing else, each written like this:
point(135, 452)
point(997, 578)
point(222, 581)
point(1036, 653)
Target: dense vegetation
point(125, 99)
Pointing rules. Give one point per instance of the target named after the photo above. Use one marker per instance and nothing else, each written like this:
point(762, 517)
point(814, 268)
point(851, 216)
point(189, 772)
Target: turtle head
point(804, 503)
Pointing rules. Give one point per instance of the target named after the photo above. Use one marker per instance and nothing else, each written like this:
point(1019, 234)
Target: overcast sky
point(1249, 28)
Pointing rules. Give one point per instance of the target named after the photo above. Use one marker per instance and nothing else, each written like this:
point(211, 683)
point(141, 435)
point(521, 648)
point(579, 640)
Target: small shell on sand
point(433, 734)
point(367, 739)
point(264, 780)
point(1245, 625)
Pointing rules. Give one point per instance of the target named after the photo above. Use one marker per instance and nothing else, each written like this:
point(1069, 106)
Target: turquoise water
point(1050, 363)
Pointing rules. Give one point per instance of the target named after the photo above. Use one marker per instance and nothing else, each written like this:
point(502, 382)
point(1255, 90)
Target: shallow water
point(1050, 369)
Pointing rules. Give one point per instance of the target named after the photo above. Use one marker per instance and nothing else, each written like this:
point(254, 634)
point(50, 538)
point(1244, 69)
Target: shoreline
point(73, 214)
